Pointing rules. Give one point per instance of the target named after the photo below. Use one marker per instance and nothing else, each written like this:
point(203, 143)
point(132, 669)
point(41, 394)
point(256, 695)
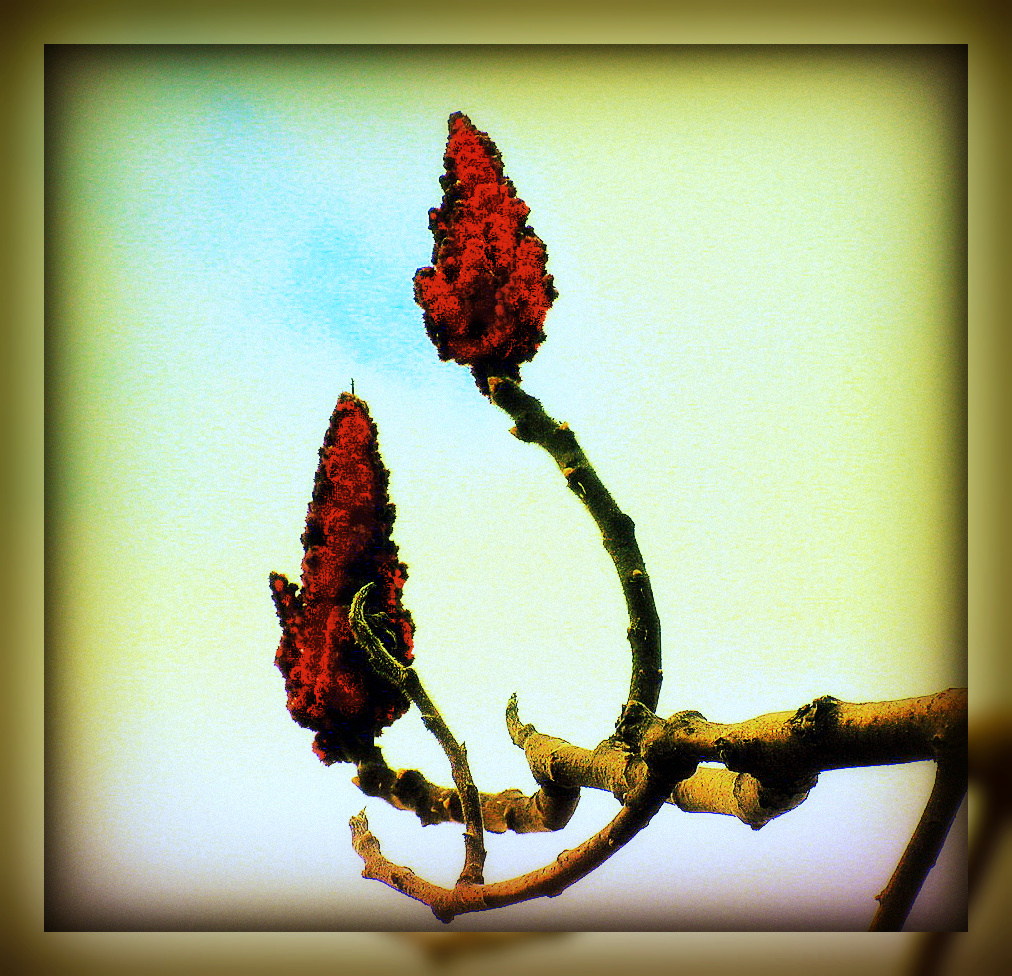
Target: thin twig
point(897, 898)
point(533, 425)
point(989, 765)
point(570, 866)
point(407, 680)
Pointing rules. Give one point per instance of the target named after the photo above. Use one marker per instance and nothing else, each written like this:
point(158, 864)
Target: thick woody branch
point(772, 761)
point(826, 734)
point(407, 680)
point(533, 425)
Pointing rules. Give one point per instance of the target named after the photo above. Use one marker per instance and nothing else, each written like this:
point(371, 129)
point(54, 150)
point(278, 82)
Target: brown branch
point(644, 800)
point(707, 790)
point(551, 808)
point(897, 898)
point(774, 759)
point(534, 426)
point(780, 747)
point(741, 795)
point(407, 680)
point(778, 755)
point(989, 765)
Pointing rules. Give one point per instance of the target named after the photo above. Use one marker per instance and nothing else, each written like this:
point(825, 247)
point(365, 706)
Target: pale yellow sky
point(759, 341)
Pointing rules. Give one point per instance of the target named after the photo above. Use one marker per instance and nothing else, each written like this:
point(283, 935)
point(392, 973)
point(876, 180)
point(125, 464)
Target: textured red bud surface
point(486, 298)
point(331, 688)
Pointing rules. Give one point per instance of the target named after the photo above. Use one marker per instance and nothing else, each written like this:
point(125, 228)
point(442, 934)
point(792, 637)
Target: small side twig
point(533, 425)
point(407, 680)
point(897, 898)
point(989, 765)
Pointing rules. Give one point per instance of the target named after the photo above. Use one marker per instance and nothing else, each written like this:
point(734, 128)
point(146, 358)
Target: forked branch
point(775, 760)
point(644, 800)
point(407, 680)
point(770, 762)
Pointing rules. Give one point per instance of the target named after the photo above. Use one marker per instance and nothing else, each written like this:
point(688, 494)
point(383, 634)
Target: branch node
point(631, 725)
point(813, 720)
point(524, 430)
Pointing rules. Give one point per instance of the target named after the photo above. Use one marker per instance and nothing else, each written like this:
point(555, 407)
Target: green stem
point(534, 426)
point(407, 680)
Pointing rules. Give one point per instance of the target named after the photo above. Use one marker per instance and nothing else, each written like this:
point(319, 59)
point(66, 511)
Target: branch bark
point(644, 800)
point(825, 734)
point(407, 680)
point(773, 760)
point(777, 755)
point(551, 808)
point(897, 898)
point(989, 761)
point(618, 533)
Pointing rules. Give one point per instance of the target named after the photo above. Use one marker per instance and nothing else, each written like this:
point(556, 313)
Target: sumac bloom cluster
point(486, 297)
point(331, 687)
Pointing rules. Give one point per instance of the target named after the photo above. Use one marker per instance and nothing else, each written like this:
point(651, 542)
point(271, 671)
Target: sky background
point(759, 341)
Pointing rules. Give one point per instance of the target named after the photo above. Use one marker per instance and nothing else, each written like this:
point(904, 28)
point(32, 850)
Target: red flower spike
point(331, 687)
point(486, 298)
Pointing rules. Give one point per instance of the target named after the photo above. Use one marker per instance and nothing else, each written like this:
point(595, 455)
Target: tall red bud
point(486, 297)
point(331, 687)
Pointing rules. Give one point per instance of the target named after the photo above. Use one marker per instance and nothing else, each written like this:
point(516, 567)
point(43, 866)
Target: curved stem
point(643, 802)
point(407, 680)
point(534, 426)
